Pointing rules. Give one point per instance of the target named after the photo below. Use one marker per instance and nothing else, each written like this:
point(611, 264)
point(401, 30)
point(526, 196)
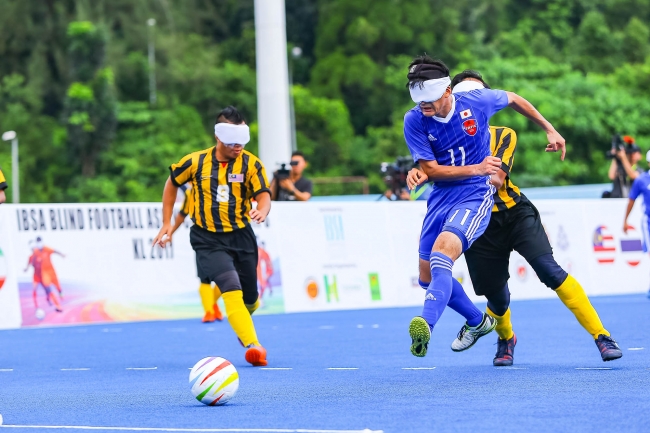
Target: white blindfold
point(467, 86)
point(230, 134)
point(431, 90)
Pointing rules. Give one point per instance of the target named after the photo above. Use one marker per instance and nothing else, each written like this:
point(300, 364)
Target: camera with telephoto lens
point(617, 145)
point(395, 173)
point(283, 172)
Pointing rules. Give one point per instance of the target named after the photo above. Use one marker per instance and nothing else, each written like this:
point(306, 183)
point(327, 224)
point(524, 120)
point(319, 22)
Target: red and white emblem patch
point(470, 127)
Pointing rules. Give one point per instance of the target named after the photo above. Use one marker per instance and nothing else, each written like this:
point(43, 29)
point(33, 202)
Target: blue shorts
point(461, 209)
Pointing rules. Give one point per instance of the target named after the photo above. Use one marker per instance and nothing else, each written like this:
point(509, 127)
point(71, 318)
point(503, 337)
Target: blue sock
point(460, 303)
point(439, 290)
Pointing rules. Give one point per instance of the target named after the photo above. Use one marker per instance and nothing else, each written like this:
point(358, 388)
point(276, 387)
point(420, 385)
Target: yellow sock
point(239, 318)
point(252, 307)
point(574, 297)
point(504, 325)
point(217, 293)
point(207, 297)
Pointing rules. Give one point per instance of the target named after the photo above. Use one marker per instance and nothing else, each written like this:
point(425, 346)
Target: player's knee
point(451, 242)
point(548, 271)
point(250, 297)
point(228, 281)
point(499, 301)
point(205, 281)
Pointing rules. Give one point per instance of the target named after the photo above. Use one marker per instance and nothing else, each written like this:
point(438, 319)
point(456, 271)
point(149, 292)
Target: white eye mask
point(431, 90)
point(466, 86)
point(230, 134)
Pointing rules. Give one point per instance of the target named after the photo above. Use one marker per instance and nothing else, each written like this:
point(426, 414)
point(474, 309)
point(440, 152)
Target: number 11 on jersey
point(462, 153)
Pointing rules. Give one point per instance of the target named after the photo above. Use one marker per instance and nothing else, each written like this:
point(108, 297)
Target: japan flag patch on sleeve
point(465, 114)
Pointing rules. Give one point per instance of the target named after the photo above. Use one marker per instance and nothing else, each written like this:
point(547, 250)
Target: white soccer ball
point(40, 314)
point(214, 381)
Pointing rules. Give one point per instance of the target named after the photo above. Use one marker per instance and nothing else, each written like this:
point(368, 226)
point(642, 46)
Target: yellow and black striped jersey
point(221, 191)
point(3, 181)
point(503, 143)
point(188, 201)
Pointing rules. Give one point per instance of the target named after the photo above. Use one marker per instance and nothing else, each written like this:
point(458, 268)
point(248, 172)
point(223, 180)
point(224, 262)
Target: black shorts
point(518, 228)
point(217, 253)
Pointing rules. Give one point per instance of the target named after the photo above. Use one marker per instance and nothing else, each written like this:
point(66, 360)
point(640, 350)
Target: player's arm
point(622, 157)
point(180, 217)
point(630, 205)
point(436, 172)
point(522, 106)
point(263, 207)
point(169, 198)
point(498, 179)
point(611, 173)
point(3, 197)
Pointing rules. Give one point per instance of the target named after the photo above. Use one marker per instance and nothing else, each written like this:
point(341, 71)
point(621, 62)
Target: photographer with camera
point(623, 169)
point(394, 176)
point(288, 184)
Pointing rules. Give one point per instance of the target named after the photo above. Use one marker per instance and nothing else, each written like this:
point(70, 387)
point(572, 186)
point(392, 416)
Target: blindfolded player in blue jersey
point(448, 135)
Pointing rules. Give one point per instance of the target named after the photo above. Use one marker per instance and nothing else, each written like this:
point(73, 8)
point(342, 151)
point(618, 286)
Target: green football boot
point(420, 336)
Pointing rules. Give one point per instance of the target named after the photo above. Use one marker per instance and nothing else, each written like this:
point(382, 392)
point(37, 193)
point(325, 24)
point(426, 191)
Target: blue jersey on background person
point(641, 187)
point(448, 135)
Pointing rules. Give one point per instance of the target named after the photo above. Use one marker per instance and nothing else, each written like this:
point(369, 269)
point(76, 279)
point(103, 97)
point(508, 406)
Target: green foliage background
point(74, 82)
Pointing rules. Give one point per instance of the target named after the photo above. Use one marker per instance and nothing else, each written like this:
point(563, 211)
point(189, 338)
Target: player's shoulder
point(251, 158)
point(196, 155)
point(413, 115)
point(502, 131)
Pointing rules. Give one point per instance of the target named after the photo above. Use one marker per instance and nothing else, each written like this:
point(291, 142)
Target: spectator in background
point(3, 186)
point(294, 187)
point(623, 169)
point(641, 186)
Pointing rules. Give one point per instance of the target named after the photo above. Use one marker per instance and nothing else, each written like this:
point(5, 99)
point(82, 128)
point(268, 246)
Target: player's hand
point(415, 177)
point(258, 216)
point(556, 143)
point(164, 236)
point(489, 166)
point(626, 227)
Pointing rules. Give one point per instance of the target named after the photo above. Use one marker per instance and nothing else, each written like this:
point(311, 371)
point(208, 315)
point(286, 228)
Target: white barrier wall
point(313, 257)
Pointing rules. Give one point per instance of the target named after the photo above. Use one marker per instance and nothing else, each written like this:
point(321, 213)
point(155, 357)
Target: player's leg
point(216, 293)
point(487, 261)
point(453, 234)
point(531, 242)
point(35, 294)
point(246, 261)
point(645, 231)
point(206, 294)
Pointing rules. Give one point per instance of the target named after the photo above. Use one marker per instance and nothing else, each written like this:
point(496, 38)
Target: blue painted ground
point(463, 393)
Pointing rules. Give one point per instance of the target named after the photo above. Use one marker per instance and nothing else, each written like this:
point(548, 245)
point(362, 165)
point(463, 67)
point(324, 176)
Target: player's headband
point(467, 85)
point(430, 90)
point(231, 134)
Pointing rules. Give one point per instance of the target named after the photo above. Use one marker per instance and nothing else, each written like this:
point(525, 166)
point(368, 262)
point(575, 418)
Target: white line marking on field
point(593, 368)
point(6, 369)
point(142, 368)
point(209, 329)
point(276, 368)
point(375, 326)
point(635, 348)
point(75, 369)
point(172, 429)
point(342, 368)
point(326, 327)
point(359, 326)
point(512, 368)
point(112, 330)
point(418, 368)
point(176, 329)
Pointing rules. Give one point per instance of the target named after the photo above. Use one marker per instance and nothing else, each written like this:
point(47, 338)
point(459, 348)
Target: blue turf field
point(547, 390)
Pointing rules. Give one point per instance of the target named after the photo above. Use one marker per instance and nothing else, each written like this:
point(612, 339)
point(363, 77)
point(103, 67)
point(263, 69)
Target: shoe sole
point(490, 329)
point(616, 356)
point(420, 336)
point(256, 357)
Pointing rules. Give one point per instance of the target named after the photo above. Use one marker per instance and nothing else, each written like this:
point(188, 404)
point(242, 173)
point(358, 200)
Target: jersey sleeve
point(492, 101)
point(3, 182)
point(181, 172)
point(636, 189)
point(506, 144)
point(416, 138)
point(257, 179)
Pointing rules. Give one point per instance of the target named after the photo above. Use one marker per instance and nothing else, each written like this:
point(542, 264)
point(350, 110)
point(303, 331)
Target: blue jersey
point(461, 138)
point(641, 186)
